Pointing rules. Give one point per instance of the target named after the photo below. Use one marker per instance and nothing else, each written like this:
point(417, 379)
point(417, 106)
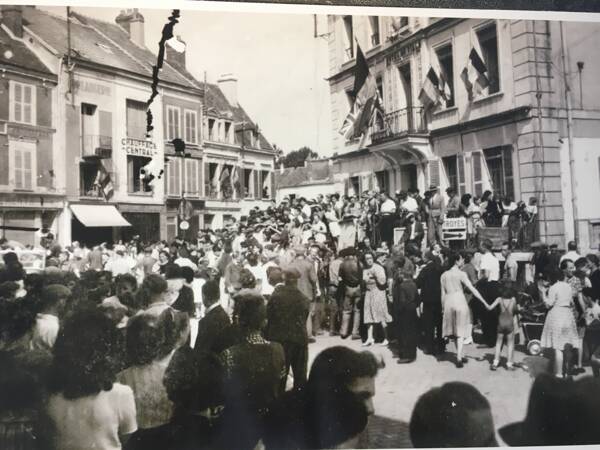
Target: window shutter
point(27, 104)
point(200, 177)
point(18, 169)
point(257, 184)
point(130, 174)
point(434, 172)
point(477, 174)
point(272, 185)
point(460, 162)
point(207, 179)
point(27, 169)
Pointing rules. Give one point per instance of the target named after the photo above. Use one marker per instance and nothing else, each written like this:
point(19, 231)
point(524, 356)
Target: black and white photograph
point(243, 226)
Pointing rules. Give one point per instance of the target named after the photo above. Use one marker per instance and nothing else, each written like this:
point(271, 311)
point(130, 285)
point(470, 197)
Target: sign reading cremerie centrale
point(138, 147)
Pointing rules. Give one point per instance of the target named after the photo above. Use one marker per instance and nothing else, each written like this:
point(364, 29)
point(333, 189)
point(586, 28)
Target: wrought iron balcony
point(96, 146)
point(401, 123)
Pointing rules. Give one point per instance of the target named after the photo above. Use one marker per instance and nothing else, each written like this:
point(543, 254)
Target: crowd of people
point(203, 342)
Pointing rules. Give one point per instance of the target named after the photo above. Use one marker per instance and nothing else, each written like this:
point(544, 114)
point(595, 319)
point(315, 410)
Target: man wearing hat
point(287, 314)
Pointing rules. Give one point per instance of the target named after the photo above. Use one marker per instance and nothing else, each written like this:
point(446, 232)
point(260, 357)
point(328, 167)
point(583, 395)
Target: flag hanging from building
point(214, 183)
point(445, 90)
point(104, 183)
point(225, 181)
point(235, 179)
point(365, 100)
point(430, 92)
point(474, 75)
point(185, 211)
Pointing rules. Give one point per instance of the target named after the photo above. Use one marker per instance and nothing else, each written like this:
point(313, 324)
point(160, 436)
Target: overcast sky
point(280, 66)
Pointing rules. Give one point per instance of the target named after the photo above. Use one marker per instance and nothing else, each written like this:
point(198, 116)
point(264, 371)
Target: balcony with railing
point(398, 124)
point(96, 146)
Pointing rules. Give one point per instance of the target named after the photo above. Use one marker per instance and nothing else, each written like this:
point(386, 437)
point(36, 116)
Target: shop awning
point(99, 216)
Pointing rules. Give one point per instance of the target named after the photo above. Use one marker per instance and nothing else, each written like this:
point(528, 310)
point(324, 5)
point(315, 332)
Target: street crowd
point(203, 342)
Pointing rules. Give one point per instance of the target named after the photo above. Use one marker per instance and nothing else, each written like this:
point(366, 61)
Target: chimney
point(228, 84)
point(133, 22)
point(12, 17)
point(175, 51)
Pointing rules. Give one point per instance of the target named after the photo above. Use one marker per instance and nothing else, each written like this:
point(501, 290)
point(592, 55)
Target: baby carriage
point(532, 320)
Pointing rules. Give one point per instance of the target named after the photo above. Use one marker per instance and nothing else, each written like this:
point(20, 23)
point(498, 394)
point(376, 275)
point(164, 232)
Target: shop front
point(93, 224)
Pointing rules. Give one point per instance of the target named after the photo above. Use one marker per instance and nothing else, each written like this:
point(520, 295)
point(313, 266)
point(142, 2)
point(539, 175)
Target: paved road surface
point(398, 386)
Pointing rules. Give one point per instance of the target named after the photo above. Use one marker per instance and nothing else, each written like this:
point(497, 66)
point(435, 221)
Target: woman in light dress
point(456, 314)
point(375, 306)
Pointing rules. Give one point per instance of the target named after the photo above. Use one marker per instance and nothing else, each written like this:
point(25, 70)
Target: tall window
point(499, 164)
point(488, 42)
point(173, 123)
point(135, 183)
point(191, 177)
point(136, 119)
point(444, 55)
point(191, 127)
point(374, 23)
point(211, 129)
point(22, 103)
point(247, 186)
point(23, 164)
point(349, 42)
point(174, 177)
point(228, 133)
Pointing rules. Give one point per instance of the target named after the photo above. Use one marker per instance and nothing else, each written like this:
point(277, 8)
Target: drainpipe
point(563, 45)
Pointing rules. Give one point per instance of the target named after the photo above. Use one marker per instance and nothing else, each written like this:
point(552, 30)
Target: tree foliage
point(296, 158)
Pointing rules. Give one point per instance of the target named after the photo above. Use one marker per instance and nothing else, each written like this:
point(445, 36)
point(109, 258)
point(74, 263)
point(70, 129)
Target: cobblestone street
point(398, 386)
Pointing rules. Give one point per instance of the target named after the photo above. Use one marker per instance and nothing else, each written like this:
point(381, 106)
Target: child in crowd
point(507, 323)
point(87, 408)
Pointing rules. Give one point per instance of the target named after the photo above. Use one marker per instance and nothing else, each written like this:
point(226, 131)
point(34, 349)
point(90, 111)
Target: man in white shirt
point(388, 206)
point(490, 266)
point(388, 213)
point(572, 253)
point(410, 204)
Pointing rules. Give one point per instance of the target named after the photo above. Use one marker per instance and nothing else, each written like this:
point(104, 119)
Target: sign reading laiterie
point(138, 147)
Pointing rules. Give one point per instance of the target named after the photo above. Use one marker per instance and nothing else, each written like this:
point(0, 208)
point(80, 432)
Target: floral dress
point(375, 306)
point(560, 328)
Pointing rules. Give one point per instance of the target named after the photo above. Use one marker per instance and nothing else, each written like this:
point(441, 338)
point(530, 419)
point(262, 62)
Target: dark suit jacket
point(287, 312)
point(429, 283)
point(212, 330)
point(419, 232)
point(185, 301)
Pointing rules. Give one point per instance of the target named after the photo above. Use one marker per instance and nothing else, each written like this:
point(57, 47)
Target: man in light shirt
point(572, 252)
point(489, 266)
point(387, 211)
point(511, 266)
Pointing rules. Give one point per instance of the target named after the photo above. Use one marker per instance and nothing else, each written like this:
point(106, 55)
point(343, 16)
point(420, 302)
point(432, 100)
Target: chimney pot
point(173, 52)
point(228, 84)
point(12, 17)
point(133, 22)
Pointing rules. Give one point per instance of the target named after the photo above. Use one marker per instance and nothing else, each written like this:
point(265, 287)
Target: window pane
point(27, 92)
point(18, 113)
point(18, 93)
point(488, 41)
point(27, 114)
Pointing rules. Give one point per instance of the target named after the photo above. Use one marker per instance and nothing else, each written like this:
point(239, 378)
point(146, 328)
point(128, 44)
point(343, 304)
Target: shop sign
point(454, 229)
point(139, 147)
point(90, 86)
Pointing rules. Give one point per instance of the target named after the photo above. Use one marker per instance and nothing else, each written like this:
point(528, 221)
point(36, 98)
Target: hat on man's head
point(560, 412)
point(348, 251)
point(433, 187)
